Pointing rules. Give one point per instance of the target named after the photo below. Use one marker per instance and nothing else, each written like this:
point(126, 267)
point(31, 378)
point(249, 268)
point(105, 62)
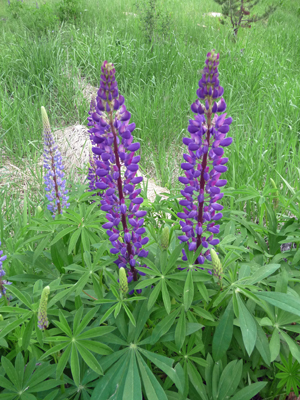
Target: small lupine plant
point(55, 185)
point(116, 327)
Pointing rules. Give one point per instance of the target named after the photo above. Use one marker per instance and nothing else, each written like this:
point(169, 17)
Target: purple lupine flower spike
point(2, 274)
point(204, 164)
point(117, 166)
point(56, 191)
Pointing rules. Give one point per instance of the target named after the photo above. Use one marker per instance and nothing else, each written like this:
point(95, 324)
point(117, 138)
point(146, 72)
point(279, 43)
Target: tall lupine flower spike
point(42, 313)
point(204, 163)
point(2, 274)
point(114, 150)
point(56, 191)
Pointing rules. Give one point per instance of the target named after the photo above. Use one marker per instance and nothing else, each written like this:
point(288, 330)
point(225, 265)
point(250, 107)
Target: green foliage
point(238, 13)
point(155, 19)
point(289, 375)
point(185, 336)
point(69, 10)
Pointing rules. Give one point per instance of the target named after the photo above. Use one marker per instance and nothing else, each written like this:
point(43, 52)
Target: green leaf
point(188, 291)
point(133, 388)
point(223, 334)
point(146, 282)
point(262, 273)
point(230, 379)
point(64, 326)
point(274, 345)
point(75, 368)
point(96, 332)
point(163, 326)
point(293, 345)
point(203, 291)
point(24, 298)
point(85, 240)
point(86, 319)
point(59, 296)
point(63, 361)
point(40, 248)
point(203, 313)
point(154, 294)
point(89, 359)
point(11, 372)
point(180, 331)
point(262, 345)
point(27, 334)
point(248, 326)
point(174, 257)
point(249, 391)
point(6, 384)
point(153, 389)
point(283, 301)
point(55, 349)
point(61, 234)
point(196, 380)
point(14, 324)
point(166, 296)
point(96, 347)
point(165, 364)
point(129, 314)
point(73, 240)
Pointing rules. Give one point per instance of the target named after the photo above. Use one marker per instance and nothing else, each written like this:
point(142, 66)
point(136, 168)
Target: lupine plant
point(204, 164)
point(56, 191)
point(114, 150)
point(88, 320)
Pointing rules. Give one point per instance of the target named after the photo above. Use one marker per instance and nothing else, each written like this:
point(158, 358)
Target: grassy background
point(41, 62)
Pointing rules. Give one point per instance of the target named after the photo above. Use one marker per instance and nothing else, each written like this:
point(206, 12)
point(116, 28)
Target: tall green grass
point(260, 74)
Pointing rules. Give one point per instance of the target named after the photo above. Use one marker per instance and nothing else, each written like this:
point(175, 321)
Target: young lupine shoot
point(165, 237)
point(2, 274)
point(123, 281)
point(55, 188)
point(42, 313)
point(117, 166)
point(217, 265)
point(204, 164)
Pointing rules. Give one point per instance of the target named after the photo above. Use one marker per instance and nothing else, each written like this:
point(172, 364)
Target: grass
point(259, 72)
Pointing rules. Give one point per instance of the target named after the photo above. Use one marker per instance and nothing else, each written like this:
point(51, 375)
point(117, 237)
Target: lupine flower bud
point(115, 166)
point(123, 280)
point(42, 313)
point(55, 185)
point(2, 274)
point(204, 164)
point(164, 241)
point(217, 266)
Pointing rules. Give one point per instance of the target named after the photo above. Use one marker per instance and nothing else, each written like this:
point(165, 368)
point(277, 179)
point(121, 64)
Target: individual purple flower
point(204, 164)
point(117, 166)
point(55, 188)
point(2, 274)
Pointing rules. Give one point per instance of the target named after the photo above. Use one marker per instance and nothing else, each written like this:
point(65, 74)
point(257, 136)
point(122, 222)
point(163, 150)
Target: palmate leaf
point(188, 291)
